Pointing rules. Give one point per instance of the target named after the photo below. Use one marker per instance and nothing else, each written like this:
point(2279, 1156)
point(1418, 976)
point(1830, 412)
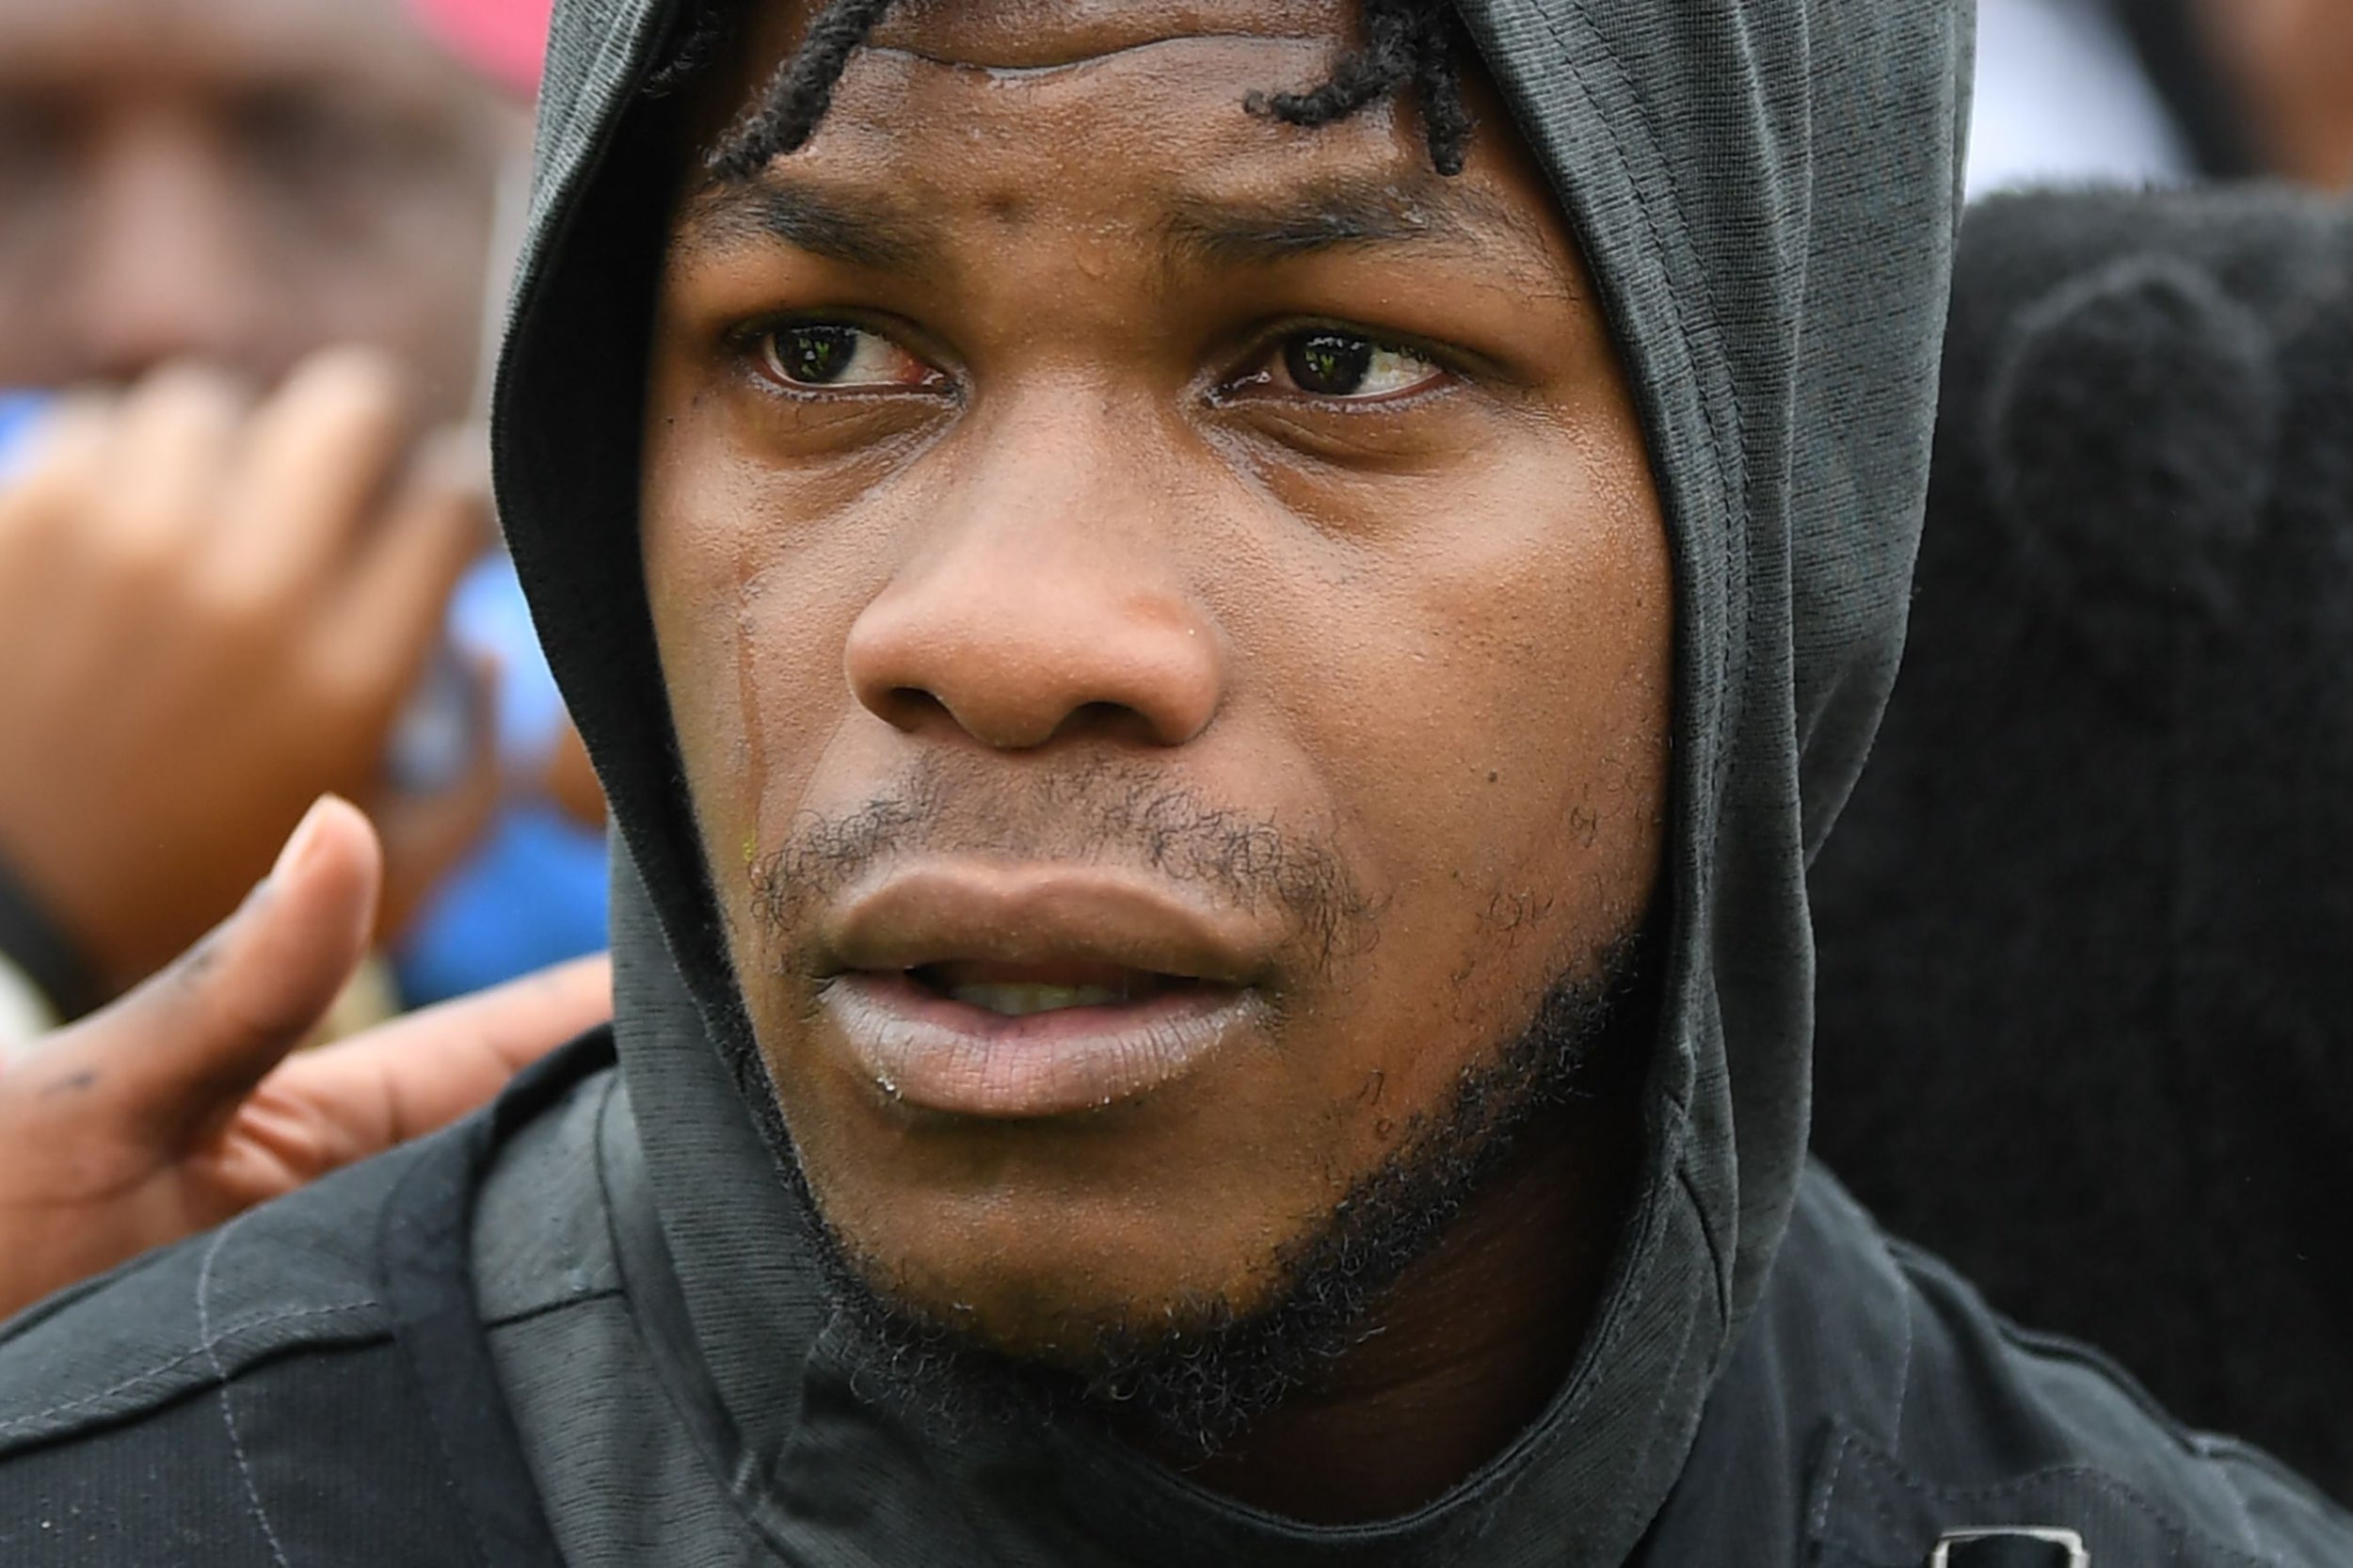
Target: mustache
point(1113, 812)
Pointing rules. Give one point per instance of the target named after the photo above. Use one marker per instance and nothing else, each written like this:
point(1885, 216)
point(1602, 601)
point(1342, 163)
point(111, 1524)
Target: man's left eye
point(833, 354)
point(1328, 363)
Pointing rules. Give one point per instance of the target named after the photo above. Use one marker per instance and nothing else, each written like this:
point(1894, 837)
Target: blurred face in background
point(241, 181)
point(2290, 66)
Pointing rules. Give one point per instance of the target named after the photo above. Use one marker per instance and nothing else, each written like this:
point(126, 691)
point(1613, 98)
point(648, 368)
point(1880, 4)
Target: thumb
point(178, 1055)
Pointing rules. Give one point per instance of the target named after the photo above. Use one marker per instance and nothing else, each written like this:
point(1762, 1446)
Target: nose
point(1046, 603)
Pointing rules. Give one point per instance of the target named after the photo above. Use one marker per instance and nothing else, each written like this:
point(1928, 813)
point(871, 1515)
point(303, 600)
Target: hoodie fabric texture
point(1765, 194)
point(2091, 898)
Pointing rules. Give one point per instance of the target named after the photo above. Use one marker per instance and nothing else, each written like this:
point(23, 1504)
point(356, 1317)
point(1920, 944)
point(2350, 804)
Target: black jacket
point(313, 1385)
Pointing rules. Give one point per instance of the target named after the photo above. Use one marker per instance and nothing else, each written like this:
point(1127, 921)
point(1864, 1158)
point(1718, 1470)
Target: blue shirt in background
point(534, 892)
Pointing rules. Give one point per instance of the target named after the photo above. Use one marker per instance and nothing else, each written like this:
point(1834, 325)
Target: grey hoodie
point(1766, 192)
point(1766, 198)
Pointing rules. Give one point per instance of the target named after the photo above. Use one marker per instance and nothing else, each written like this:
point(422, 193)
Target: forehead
point(136, 45)
point(1015, 44)
point(1041, 34)
point(1114, 117)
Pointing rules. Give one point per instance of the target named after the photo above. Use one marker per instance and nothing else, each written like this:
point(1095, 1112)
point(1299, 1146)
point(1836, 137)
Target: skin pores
point(1108, 548)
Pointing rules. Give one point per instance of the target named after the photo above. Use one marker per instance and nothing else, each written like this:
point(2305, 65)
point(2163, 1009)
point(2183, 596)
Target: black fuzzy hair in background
point(1408, 44)
point(2085, 926)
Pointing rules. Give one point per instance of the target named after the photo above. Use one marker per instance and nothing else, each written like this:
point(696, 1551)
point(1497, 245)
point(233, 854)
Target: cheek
point(750, 635)
point(1491, 693)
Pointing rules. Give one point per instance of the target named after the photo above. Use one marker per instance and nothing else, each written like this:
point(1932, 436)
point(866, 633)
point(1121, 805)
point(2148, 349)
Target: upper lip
point(964, 912)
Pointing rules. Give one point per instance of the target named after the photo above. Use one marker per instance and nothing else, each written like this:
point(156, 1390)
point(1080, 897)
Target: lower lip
point(928, 1052)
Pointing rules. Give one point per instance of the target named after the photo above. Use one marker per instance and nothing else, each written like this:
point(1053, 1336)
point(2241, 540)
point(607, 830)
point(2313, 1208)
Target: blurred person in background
point(242, 270)
point(253, 236)
point(2277, 87)
point(2161, 92)
point(2086, 1023)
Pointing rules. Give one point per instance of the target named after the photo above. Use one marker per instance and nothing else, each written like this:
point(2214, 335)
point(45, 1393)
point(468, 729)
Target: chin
point(1036, 1283)
point(1037, 1238)
point(989, 1328)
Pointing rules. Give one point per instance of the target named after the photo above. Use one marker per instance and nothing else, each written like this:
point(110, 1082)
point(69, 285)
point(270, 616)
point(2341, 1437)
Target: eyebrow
point(1433, 214)
point(863, 235)
point(1346, 213)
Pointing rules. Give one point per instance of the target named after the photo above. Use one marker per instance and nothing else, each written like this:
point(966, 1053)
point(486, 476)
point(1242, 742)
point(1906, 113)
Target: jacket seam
point(228, 1404)
point(2090, 1477)
point(2232, 1457)
point(546, 1309)
point(1903, 1376)
point(18, 1424)
point(2224, 1457)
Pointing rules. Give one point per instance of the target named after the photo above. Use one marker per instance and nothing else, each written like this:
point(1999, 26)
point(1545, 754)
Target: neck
point(1464, 1352)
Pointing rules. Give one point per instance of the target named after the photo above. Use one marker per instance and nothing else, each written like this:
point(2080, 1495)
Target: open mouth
point(1030, 1040)
point(1022, 991)
point(1030, 991)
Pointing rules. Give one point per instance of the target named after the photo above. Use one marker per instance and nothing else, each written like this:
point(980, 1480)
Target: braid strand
point(1408, 44)
point(798, 95)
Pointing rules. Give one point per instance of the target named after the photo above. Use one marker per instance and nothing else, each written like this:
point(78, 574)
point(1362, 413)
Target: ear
point(2131, 431)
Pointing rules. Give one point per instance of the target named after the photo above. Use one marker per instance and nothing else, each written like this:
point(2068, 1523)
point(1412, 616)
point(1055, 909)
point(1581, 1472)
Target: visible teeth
point(1016, 1000)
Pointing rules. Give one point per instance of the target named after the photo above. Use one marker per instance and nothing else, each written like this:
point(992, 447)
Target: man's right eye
point(834, 354)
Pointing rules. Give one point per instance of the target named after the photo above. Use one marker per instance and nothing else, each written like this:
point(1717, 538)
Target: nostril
point(912, 708)
point(1108, 719)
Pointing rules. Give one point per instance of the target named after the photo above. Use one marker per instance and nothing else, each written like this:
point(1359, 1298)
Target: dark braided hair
point(1408, 43)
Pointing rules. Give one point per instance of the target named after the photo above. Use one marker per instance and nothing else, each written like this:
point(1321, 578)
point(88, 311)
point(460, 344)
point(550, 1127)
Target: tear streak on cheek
point(751, 739)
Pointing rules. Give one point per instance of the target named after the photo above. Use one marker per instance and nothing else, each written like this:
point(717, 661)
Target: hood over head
point(1766, 195)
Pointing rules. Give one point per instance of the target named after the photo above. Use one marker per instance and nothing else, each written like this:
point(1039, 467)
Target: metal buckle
point(2073, 1543)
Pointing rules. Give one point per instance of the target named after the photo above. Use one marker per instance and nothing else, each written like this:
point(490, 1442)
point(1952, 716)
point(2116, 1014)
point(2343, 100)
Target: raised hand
point(212, 610)
point(180, 1105)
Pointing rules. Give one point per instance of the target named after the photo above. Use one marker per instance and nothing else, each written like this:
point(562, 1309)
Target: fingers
point(320, 456)
point(172, 442)
point(43, 504)
point(390, 614)
point(405, 1079)
point(173, 1060)
point(248, 594)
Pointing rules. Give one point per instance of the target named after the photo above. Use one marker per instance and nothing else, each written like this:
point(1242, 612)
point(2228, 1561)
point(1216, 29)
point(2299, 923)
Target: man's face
point(1168, 623)
point(242, 181)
